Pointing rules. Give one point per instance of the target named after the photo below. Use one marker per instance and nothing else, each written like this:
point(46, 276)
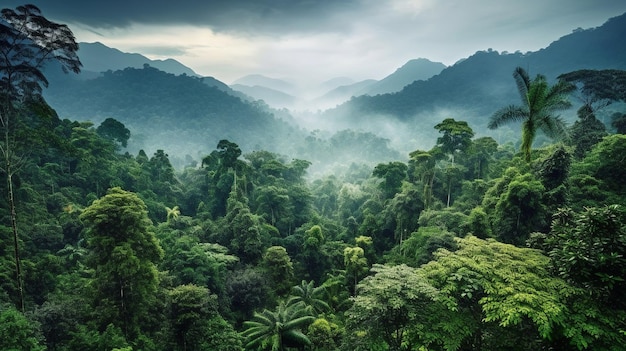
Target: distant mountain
point(335, 82)
point(97, 57)
point(274, 98)
point(181, 114)
point(417, 69)
point(474, 88)
point(267, 82)
point(343, 93)
point(186, 116)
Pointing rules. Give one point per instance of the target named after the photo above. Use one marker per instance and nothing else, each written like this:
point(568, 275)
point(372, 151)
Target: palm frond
point(523, 83)
point(296, 337)
point(298, 322)
point(506, 115)
point(554, 127)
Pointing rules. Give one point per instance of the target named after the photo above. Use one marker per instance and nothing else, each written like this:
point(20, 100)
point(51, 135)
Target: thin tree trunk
point(8, 168)
point(16, 249)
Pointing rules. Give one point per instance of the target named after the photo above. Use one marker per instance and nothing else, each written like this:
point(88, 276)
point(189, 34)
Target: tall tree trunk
point(16, 249)
point(7, 152)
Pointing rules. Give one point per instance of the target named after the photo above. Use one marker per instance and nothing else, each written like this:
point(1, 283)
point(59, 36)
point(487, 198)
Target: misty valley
point(477, 206)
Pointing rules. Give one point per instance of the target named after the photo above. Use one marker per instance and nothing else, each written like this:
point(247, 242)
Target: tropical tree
point(457, 137)
point(114, 130)
point(356, 265)
point(539, 103)
point(392, 175)
point(196, 323)
point(279, 268)
point(586, 132)
point(123, 253)
point(392, 307)
point(278, 330)
point(27, 42)
point(597, 85)
point(17, 332)
point(172, 213)
point(308, 294)
point(499, 297)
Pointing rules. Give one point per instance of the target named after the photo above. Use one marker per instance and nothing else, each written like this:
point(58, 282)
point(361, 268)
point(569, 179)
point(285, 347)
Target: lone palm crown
point(539, 103)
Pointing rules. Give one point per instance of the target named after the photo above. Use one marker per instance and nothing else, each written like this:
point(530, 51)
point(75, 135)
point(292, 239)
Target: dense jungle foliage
point(469, 245)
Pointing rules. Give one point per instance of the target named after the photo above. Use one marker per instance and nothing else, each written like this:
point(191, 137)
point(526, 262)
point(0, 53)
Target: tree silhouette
point(27, 42)
point(539, 103)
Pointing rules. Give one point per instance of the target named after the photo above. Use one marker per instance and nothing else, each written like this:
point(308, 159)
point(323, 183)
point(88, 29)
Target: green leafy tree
point(248, 290)
point(324, 335)
point(114, 130)
point(499, 297)
point(539, 103)
point(392, 174)
point(123, 253)
point(423, 167)
point(456, 139)
point(600, 174)
point(586, 131)
point(392, 306)
point(356, 265)
point(589, 250)
point(420, 247)
point(278, 330)
point(279, 269)
point(18, 333)
point(404, 209)
point(27, 42)
point(519, 210)
point(481, 156)
point(242, 230)
point(196, 323)
point(597, 85)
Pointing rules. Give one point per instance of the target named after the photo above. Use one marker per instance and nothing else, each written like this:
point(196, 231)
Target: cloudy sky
point(316, 40)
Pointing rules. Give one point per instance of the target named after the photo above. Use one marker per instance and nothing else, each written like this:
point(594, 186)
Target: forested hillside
point(467, 244)
point(478, 85)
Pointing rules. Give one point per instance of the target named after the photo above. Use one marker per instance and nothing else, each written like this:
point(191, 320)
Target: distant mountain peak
point(97, 57)
point(260, 80)
point(415, 69)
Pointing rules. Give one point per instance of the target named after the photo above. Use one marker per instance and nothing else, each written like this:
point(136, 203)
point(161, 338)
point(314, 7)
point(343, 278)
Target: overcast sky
point(316, 40)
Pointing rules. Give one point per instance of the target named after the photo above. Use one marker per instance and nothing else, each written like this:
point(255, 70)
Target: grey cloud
point(252, 16)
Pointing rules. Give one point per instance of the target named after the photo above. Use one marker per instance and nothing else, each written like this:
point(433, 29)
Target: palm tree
point(278, 330)
point(172, 213)
point(539, 103)
point(308, 294)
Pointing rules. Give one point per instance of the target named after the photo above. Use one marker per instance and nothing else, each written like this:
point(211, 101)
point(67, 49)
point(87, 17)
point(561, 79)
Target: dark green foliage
point(420, 247)
point(196, 324)
point(589, 250)
point(114, 130)
point(238, 231)
point(609, 84)
point(519, 210)
point(392, 175)
point(17, 332)
point(586, 131)
point(618, 121)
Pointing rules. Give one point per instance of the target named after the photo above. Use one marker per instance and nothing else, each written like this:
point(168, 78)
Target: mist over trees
point(465, 243)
